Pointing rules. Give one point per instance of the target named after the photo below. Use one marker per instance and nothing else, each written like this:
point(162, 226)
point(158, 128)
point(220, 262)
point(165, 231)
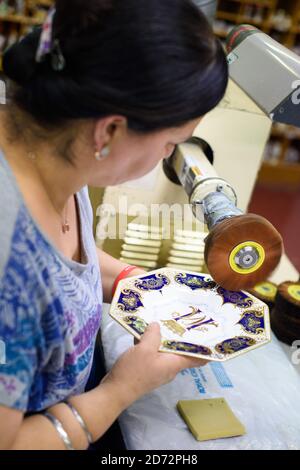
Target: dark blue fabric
point(112, 439)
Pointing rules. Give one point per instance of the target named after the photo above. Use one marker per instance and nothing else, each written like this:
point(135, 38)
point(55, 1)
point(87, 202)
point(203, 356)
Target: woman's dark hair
point(156, 62)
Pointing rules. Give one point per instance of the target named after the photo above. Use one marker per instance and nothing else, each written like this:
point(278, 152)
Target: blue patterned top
point(50, 306)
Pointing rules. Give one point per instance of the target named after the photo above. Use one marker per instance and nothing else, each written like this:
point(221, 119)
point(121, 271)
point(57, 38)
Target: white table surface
point(281, 388)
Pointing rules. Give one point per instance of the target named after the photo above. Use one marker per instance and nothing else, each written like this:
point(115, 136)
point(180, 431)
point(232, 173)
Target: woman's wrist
point(136, 272)
point(61, 412)
point(98, 408)
point(127, 271)
point(120, 393)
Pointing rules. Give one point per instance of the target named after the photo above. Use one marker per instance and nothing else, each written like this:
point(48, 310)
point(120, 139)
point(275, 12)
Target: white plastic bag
point(262, 388)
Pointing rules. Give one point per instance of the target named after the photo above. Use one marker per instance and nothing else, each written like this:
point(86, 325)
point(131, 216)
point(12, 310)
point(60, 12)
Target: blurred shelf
point(43, 3)
point(281, 174)
point(21, 19)
point(266, 15)
point(287, 132)
point(17, 21)
point(259, 3)
point(228, 16)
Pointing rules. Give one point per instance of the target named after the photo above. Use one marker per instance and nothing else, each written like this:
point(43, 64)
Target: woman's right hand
point(143, 368)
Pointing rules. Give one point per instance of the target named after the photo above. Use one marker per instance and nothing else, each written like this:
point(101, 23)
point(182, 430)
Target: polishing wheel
point(242, 251)
point(285, 316)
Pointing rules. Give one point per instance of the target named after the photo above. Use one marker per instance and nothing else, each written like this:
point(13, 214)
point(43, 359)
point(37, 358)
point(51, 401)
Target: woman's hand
point(143, 368)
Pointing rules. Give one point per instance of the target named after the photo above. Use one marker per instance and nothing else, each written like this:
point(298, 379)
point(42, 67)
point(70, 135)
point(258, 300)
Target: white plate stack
point(187, 251)
point(142, 245)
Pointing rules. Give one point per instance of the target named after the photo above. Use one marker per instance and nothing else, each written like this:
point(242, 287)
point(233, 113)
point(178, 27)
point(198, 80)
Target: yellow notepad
point(210, 419)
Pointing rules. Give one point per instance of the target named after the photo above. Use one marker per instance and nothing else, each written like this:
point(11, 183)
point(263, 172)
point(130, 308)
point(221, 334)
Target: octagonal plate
point(197, 317)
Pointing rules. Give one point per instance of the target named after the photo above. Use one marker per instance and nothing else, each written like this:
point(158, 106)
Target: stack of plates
point(142, 245)
point(285, 316)
point(187, 251)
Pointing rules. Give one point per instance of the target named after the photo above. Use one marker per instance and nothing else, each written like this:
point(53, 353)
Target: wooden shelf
point(15, 25)
point(43, 3)
point(287, 174)
point(281, 172)
point(246, 19)
point(235, 18)
point(295, 29)
point(228, 16)
point(259, 3)
point(289, 133)
point(30, 16)
point(21, 19)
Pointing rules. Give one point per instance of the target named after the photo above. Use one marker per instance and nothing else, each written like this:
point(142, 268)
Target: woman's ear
point(106, 129)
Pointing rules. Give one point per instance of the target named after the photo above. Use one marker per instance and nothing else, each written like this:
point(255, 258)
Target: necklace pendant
point(66, 227)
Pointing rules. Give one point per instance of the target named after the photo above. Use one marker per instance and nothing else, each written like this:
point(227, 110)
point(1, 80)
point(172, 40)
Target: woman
point(104, 93)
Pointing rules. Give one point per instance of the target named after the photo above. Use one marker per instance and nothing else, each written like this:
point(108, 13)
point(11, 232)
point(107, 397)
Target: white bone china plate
point(197, 317)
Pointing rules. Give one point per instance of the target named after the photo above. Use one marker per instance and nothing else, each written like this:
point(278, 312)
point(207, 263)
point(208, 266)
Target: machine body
point(267, 71)
point(241, 249)
point(212, 199)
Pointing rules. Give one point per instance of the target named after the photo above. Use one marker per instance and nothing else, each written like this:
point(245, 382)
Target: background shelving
point(17, 17)
point(281, 20)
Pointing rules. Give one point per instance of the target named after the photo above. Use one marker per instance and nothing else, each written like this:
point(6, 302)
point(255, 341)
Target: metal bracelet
point(80, 422)
point(60, 430)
